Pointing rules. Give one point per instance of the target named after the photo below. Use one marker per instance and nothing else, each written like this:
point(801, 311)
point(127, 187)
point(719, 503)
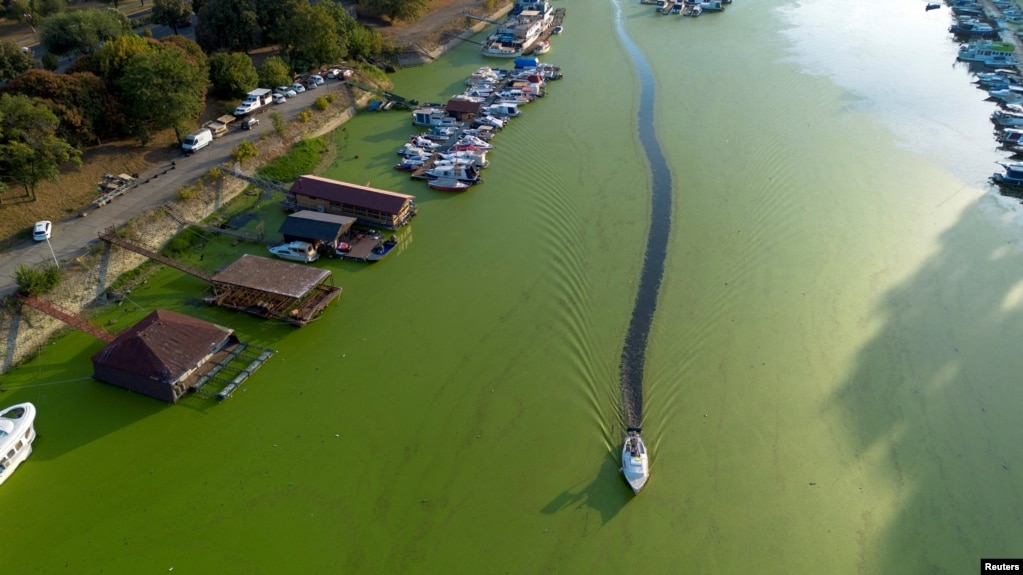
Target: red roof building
point(159, 355)
point(369, 206)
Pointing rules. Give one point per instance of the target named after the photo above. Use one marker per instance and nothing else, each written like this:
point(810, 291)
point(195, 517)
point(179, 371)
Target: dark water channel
point(634, 350)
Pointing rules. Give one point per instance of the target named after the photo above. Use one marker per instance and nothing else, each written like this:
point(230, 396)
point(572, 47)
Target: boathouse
point(369, 206)
point(316, 228)
point(464, 110)
point(163, 355)
point(272, 289)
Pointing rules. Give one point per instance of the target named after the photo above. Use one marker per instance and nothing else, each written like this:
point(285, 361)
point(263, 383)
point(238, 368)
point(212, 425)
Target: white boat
point(448, 185)
point(542, 47)
point(17, 433)
point(635, 460)
point(467, 174)
point(987, 52)
point(296, 251)
point(1012, 177)
point(1007, 119)
point(517, 34)
point(431, 116)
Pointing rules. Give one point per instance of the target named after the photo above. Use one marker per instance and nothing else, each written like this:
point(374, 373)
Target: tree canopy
point(88, 113)
point(30, 150)
point(163, 88)
point(171, 12)
point(232, 74)
point(311, 38)
point(81, 31)
point(12, 60)
point(274, 72)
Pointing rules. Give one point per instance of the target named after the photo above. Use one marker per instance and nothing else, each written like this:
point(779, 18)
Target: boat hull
point(17, 424)
point(635, 461)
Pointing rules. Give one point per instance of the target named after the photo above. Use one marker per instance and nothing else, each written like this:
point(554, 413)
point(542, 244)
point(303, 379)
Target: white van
point(197, 141)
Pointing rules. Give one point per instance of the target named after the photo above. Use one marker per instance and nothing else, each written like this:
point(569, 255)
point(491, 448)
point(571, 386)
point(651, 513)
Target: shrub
point(183, 242)
point(278, 121)
point(244, 151)
point(32, 281)
point(321, 103)
point(305, 116)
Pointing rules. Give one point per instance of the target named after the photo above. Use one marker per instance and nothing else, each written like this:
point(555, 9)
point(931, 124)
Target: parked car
point(298, 87)
point(334, 73)
point(250, 123)
point(316, 79)
point(310, 84)
point(42, 230)
point(286, 91)
point(279, 99)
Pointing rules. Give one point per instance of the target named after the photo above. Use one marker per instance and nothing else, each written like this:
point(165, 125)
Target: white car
point(334, 73)
point(316, 79)
point(42, 230)
point(286, 91)
point(298, 87)
point(279, 98)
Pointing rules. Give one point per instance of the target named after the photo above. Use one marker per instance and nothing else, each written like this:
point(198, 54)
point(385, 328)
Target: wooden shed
point(464, 110)
point(161, 355)
point(369, 206)
point(316, 228)
point(273, 289)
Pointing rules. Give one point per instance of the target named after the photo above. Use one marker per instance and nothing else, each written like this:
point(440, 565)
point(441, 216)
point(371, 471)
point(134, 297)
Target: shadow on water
point(932, 406)
point(634, 350)
point(605, 493)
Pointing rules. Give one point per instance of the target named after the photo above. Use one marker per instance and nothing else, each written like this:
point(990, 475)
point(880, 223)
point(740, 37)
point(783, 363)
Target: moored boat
point(635, 460)
point(542, 47)
point(296, 251)
point(1012, 177)
point(448, 185)
point(17, 433)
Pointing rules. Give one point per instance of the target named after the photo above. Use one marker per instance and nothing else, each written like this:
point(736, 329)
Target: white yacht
point(16, 436)
point(303, 252)
point(635, 460)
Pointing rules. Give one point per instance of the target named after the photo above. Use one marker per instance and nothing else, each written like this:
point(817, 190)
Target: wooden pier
point(110, 236)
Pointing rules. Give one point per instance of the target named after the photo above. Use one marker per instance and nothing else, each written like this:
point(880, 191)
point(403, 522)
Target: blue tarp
point(527, 62)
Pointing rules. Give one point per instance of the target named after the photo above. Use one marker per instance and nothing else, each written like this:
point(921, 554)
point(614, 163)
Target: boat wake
point(634, 350)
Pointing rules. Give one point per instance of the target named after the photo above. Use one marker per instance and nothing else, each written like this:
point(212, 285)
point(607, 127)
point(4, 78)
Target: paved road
point(72, 235)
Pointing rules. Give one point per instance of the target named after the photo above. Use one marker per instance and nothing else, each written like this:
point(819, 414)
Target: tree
point(311, 38)
point(231, 25)
point(110, 60)
point(13, 60)
point(88, 113)
point(407, 10)
point(232, 74)
point(274, 72)
point(30, 151)
point(81, 31)
point(273, 17)
point(170, 12)
point(163, 88)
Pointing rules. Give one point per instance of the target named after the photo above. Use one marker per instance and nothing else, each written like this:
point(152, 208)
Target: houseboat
point(517, 34)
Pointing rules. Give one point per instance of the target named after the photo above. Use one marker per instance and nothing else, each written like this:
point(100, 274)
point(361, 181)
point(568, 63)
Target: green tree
point(406, 10)
point(110, 60)
point(163, 88)
point(13, 60)
point(50, 61)
point(30, 150)
point(311, 38)
point(81, 31)
point(231, 25)
point(273, 17)
point(170, 12)
point(232, 74)
point(244, 151)
point(274, 72)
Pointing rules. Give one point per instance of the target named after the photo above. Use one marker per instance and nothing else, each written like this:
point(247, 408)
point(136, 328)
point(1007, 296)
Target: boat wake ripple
point(634, 350)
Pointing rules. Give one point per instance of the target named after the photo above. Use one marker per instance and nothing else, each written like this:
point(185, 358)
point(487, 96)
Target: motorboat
point(635, 460)
point(559, 29)
point(474, 141)
point(692, 10)
point(713, 6)
point(448, 184)
point(463, 173)
point(296, 251)
point(987, 52)
point(542, 47)
point(1012, 176)
point(932, 6)
point(433, 116)
point(382, 249)
point(424, 143)
point(967, 26)
point(1007, 119)
point(1011, 137)
point(17, 432)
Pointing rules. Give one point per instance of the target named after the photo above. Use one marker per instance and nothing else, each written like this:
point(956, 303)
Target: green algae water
point(829, 382)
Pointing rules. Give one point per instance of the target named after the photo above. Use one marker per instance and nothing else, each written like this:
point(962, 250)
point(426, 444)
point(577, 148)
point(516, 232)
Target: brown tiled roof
point(461, 106)
point(162, 346)
point(274, 276)
point(351, 194)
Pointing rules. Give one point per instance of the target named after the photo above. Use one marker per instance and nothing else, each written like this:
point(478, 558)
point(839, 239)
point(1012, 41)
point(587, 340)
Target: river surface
point(830, 381)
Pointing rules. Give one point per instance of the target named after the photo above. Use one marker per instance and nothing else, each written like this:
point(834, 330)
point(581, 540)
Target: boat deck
point(361, 247)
